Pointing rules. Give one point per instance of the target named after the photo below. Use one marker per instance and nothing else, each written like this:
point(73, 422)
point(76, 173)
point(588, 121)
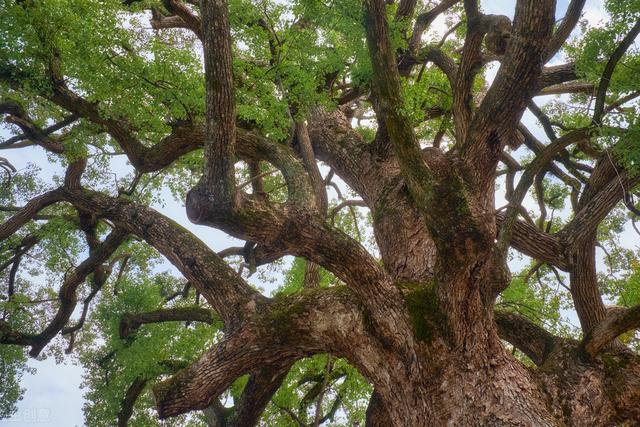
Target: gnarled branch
point(214, 279)
point(271, 338)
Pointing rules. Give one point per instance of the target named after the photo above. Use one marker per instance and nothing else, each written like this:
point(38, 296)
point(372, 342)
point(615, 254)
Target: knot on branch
point(498, 29)
point(127, 326)
point(12, 108)
point(202, 205)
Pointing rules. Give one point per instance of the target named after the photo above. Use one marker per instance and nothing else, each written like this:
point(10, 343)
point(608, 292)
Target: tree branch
point(605, 79)
point(597, 208)
point(513, 87)
point(525, 335)
point(130, 323)
point(377, 414)
point(28, 212)
point(259, 390)
point(617, 322)
point(405, 9)
point(571, 17)
point(214, 279)
point(426, 182)
point(535, 167)
point(131, 396)
point(67, 295)
point(563, 88)
point(218, 179)
point(19, 117)
point(537, 244)
point(557, 74)
point(190, 19)
point(272, 338)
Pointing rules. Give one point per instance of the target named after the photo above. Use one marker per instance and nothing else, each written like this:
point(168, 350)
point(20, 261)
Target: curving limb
point(270, 338)
point(214, 279)
point(190, 19)
point(609, 68)
point(131, 396)
point(29, 212)
point(593, 211)
point(422, 22)
point(525, 335)
point(537, 244)
point(617, 322)
point(262, 385)
point(137, 387)
point(377, 414)
point(527, 179)
point(18, 116)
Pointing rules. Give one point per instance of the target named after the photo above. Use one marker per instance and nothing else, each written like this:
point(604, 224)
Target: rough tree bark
point(421, 326)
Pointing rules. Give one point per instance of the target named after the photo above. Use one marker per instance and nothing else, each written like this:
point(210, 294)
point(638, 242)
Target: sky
point(53, 396)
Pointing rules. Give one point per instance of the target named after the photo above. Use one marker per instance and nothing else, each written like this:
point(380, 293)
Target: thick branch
point(470, 63)
point(220, 129)
point(441, 60)
point(422, 23)
point(377, 414)
point(386, 88)
point(190, 19)
point(563, 88)
point(159, 21)
point(214, 279)
point(533, 169)
point(426, 182)
point(137, 387)
point(513, 87)
point(525, 335)
point(537, 244)
point(557, 74)
point(19, 117)
point(344, 150)
point(28, 212)
point(584, 282)
point(133, 392)
point(617, 322)
point(275, 337)
point(597, 208)
point(259, 390)
point(565, 28)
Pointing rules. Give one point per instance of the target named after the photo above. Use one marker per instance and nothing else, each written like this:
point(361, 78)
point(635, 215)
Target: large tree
point(358, 139)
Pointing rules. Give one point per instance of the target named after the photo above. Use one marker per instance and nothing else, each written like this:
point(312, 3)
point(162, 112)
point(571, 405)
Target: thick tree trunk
point(479, 387)
point(469, 378)
point(462, 381)
point(503, 395)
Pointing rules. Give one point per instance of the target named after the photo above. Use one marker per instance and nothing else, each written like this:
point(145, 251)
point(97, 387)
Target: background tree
point(400, 307)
